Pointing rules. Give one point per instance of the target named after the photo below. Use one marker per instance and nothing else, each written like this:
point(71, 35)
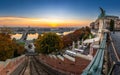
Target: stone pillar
point(78, 44)
point(73, 45)
point(91, 49)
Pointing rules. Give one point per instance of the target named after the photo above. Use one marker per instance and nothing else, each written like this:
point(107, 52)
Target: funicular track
point(22, 70)
point(36, 67)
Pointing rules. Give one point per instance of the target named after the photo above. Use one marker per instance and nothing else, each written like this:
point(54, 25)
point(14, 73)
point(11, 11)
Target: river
point(34, 36)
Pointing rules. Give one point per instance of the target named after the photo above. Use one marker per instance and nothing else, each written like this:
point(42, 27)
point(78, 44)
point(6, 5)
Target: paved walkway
point(116, 41)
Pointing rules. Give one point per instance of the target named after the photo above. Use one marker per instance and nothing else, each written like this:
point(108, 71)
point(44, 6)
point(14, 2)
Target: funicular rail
point(37, 68)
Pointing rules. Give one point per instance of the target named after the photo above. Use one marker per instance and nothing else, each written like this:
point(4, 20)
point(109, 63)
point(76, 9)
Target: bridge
point(24, 36)
point(28, 31)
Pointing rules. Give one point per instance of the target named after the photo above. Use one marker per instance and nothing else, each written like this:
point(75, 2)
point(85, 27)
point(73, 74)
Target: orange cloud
point(40, 22)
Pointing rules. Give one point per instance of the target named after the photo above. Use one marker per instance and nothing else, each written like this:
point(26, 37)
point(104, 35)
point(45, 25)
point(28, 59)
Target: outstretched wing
point(102, 11)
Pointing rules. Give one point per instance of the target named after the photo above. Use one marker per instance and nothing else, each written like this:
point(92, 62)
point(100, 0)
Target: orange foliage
point(76, 35)
point(7, 47)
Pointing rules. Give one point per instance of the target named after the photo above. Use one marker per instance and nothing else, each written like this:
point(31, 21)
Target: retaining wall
point(8, 66)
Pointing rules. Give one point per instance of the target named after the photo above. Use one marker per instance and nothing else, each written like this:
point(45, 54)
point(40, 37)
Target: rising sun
point(53, 24)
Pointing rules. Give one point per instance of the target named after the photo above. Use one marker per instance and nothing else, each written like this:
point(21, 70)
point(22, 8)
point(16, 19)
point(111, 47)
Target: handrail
point(90, 65)
point(95, 66)
point(102, 58)
point(98, 72)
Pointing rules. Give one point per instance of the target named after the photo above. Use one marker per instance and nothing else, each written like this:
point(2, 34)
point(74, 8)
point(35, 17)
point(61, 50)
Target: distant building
point(95, 25)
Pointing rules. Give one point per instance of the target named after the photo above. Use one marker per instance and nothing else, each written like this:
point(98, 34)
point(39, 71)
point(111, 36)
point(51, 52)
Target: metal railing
point(95, 66)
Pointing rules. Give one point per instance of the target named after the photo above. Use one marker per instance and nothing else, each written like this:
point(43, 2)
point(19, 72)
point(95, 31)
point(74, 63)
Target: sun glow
point(54, 22)
point(51, 22)
point(40, 22)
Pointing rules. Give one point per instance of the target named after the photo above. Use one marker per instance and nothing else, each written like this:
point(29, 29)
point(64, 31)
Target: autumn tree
point(37, 46)
point(49, 43)
point(87, 29)
point(18, 48)
point(67, 41)
point(79, 34)
point(8, 47)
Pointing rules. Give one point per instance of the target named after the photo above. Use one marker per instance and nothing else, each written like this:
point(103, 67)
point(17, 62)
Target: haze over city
point(53, 13)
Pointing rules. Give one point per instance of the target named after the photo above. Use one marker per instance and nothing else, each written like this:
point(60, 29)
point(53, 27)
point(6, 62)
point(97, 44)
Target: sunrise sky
point(54, 13)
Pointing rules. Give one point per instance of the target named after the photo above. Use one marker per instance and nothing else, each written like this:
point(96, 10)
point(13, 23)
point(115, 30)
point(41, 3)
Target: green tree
point(49, 43)
point(112, 25)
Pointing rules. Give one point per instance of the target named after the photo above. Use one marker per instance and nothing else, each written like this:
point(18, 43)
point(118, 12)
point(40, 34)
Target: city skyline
point(54, 13)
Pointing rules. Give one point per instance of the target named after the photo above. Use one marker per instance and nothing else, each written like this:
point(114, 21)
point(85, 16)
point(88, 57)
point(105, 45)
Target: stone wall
point(8, 66)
